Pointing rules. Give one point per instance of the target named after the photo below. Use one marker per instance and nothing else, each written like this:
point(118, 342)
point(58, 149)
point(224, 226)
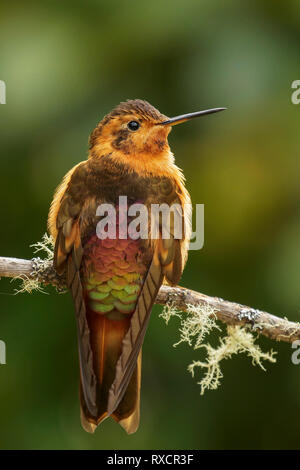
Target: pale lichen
point(199, 322)
point(196, 325)
point(30, 284)
point(46, 245)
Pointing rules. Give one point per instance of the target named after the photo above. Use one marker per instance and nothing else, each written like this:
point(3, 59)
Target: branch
point(231, 313)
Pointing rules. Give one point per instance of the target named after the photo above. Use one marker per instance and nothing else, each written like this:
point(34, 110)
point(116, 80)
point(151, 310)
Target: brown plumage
point(114, 283)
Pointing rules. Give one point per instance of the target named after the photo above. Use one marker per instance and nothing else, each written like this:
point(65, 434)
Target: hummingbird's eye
point(133, 125)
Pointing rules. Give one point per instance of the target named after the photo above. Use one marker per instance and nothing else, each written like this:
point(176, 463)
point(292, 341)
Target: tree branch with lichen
point(202, 312)
point(40, 271)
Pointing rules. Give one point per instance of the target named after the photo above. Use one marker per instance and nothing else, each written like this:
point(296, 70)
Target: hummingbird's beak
point(186, 117)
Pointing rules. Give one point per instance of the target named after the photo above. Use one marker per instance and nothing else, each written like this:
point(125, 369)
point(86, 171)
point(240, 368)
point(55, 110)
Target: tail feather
point(106, 338)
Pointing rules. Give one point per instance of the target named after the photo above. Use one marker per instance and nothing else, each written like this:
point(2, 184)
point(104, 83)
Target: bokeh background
point(66, 64)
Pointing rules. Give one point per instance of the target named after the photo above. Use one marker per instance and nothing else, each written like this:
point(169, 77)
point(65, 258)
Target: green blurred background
point(66, 64)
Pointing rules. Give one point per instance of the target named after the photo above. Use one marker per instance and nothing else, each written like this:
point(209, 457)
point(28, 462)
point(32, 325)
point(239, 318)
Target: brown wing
point(71, 247)
point(64, 225)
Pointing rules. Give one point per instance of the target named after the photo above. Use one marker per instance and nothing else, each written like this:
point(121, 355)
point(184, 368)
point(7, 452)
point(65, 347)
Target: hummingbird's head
point(132, 129)
point(136, 134)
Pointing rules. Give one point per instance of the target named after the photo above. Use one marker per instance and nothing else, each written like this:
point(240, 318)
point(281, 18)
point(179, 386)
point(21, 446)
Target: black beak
point(186, 117)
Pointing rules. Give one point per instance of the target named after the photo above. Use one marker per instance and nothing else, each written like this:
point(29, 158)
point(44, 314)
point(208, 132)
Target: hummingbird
point(114, 280)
